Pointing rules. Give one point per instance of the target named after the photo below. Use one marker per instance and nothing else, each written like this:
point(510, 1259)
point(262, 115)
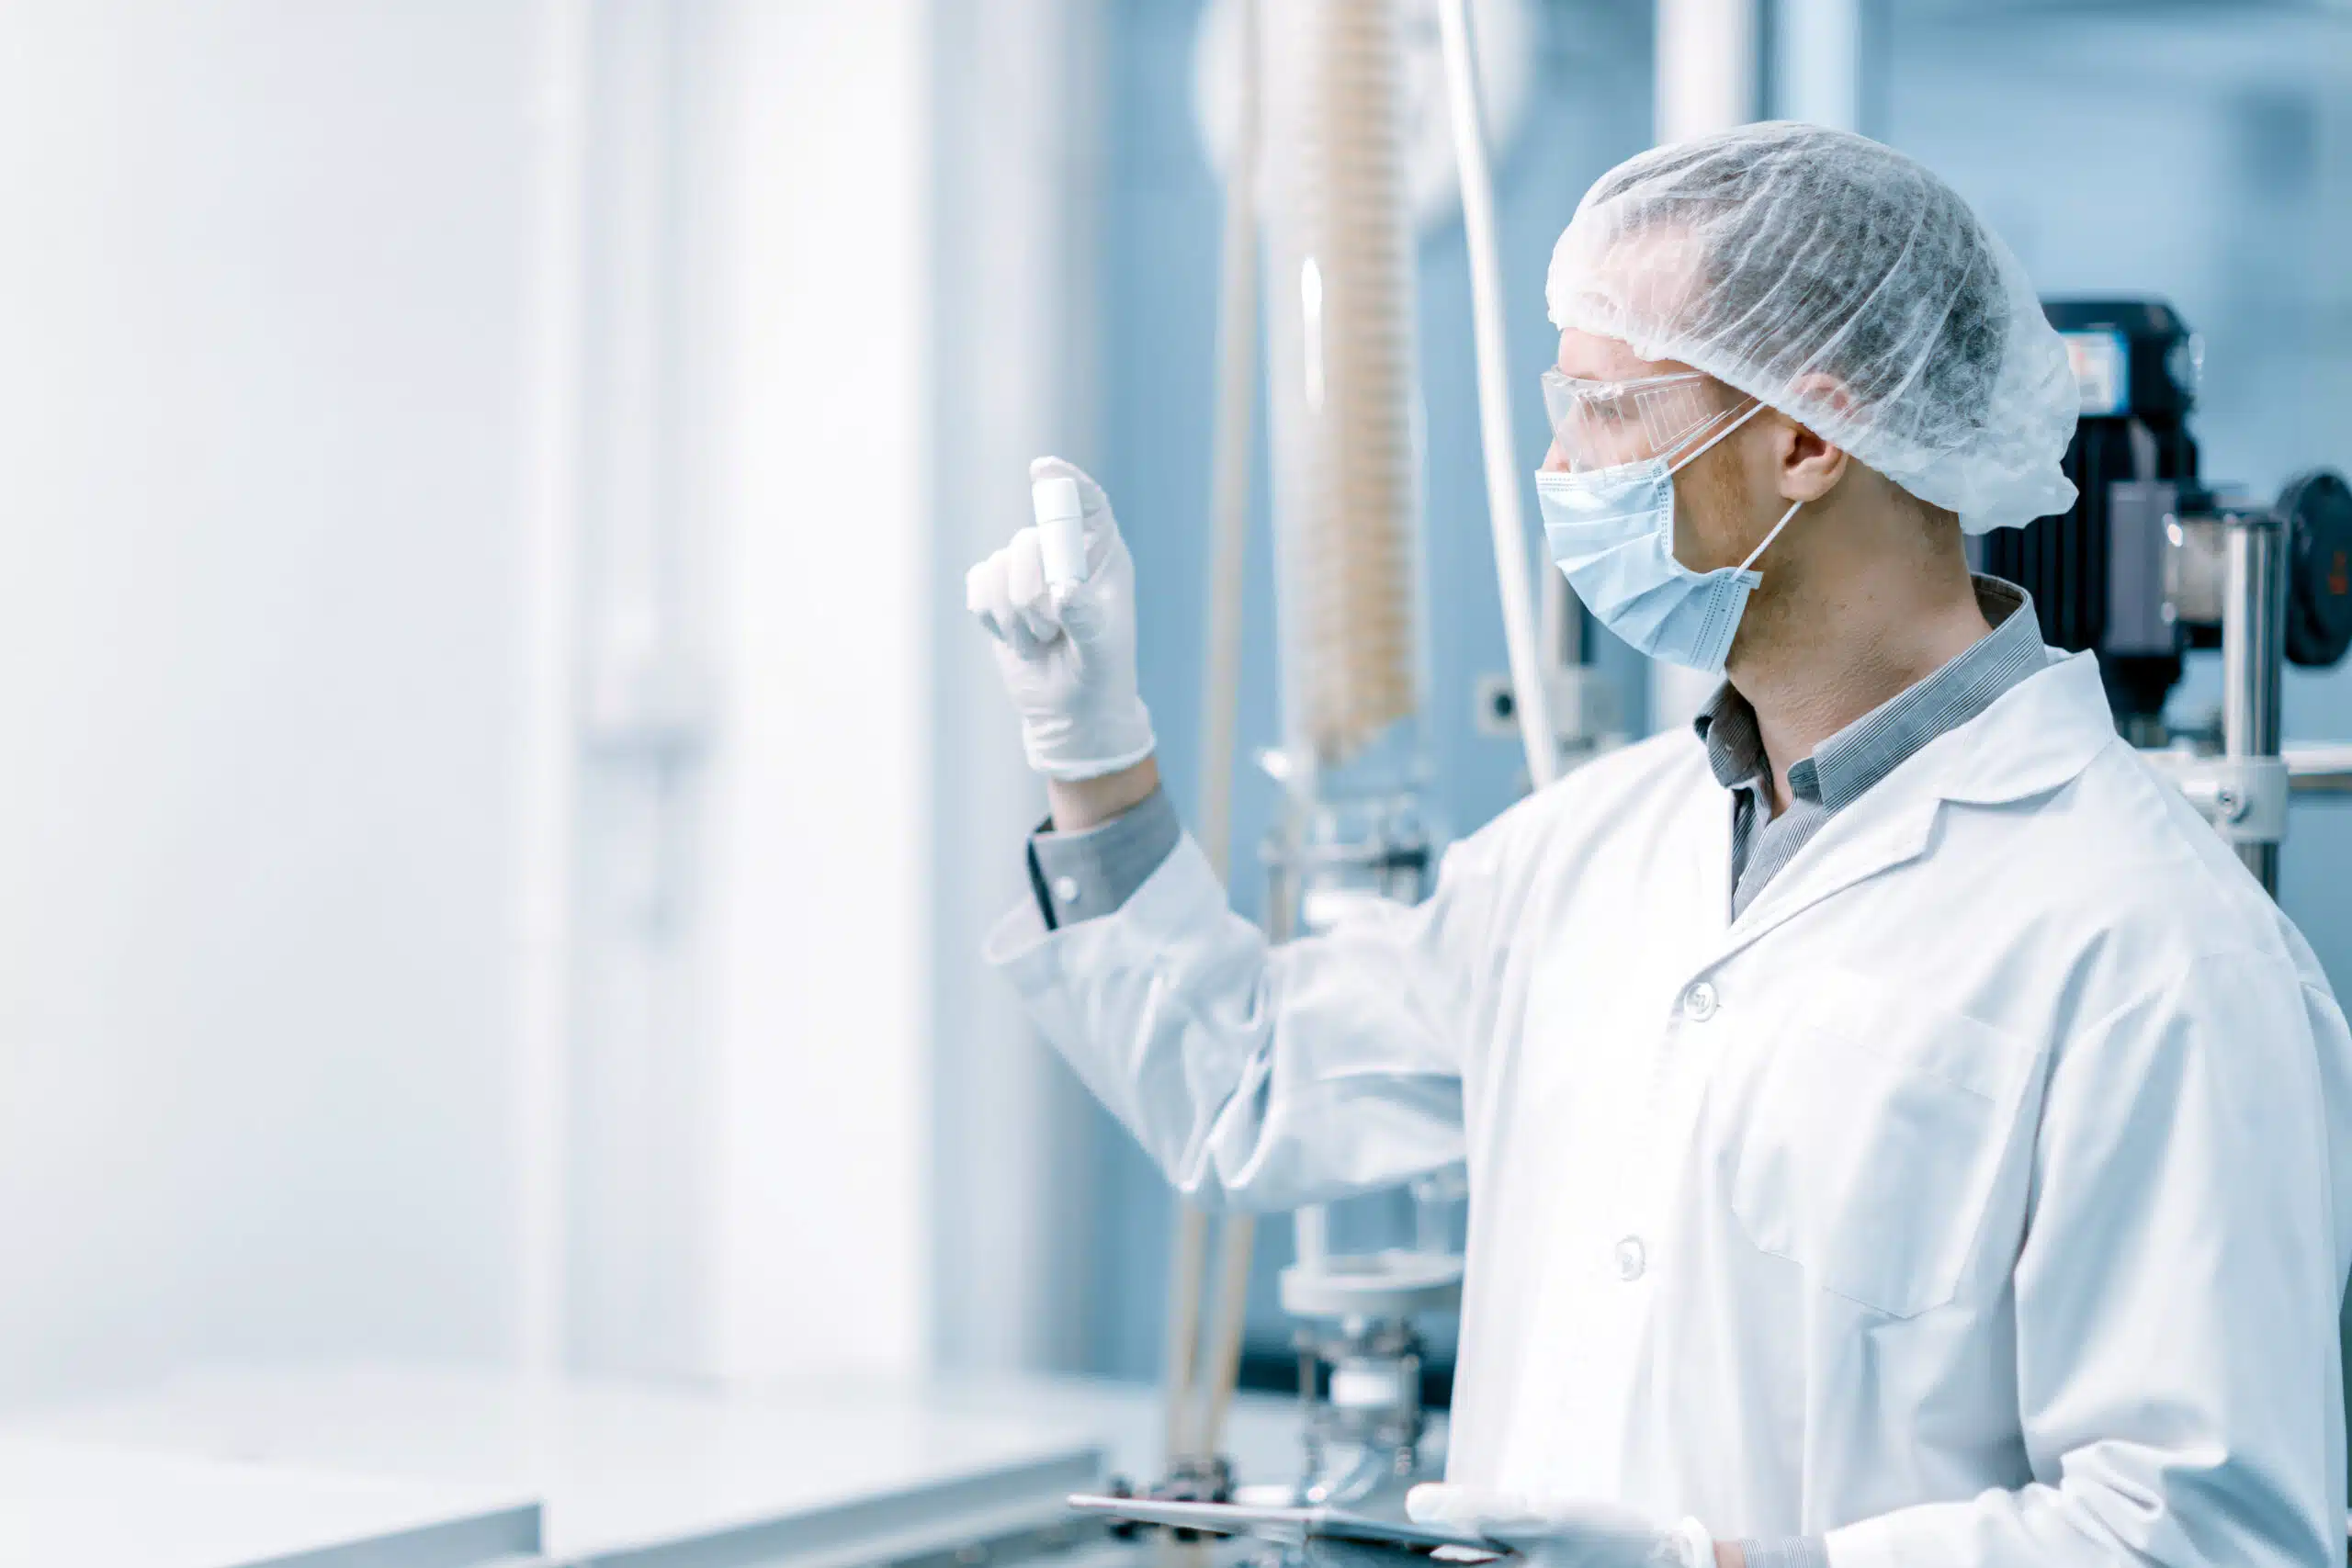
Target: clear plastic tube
point(1503, 473)
point(1346, 469)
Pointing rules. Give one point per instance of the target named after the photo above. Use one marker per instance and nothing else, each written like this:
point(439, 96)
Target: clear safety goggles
point(1598, 424)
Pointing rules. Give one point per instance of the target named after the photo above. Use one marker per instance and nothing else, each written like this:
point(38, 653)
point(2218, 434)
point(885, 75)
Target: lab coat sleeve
point(1267, 1077)
point(2178, 1368)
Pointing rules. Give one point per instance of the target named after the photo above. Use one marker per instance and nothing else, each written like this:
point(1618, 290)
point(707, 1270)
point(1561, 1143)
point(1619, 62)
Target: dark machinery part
point(1194, 1480)
point(2318, 509)
point(2105, 575)
point(2089, 592)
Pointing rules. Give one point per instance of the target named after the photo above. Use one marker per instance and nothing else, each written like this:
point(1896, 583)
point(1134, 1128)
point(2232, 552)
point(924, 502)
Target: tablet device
point(1292, 1524)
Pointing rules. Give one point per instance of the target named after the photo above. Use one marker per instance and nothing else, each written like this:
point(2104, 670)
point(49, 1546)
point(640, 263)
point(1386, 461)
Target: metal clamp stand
point(2250, 800)
point(1360, 1367)
point(2244, 797)
point(1359, 1353)
point(2244, 791)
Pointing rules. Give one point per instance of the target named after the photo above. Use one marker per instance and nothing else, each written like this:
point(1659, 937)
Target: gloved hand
point(1564, 1532)
point(1067, 656)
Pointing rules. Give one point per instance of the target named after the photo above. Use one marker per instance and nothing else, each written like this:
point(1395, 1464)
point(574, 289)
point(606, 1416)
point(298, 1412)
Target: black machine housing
point(2105, 576)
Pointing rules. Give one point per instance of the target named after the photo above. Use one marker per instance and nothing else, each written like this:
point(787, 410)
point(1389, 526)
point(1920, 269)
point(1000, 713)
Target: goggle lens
point(1598, 424)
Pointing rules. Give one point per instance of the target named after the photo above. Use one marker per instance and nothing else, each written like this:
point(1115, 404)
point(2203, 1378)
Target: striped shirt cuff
point(1079, 875)
point(1787, 1552)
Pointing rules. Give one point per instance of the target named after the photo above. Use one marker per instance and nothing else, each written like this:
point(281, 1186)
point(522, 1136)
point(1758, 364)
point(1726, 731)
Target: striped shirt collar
point(1850, 762)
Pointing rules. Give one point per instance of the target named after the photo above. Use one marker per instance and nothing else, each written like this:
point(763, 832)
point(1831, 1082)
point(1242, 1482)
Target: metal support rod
point(1222, 1361)
point(1229, 458)
point(1529, 666)
point(1187, 1267)
point(2319, 768)
point(2252, 647)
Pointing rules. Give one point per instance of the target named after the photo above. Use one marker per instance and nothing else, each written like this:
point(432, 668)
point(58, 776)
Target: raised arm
point(1269, 1077)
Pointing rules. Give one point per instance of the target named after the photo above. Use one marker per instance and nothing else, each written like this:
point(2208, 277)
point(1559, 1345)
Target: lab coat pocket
point(1872, 1132)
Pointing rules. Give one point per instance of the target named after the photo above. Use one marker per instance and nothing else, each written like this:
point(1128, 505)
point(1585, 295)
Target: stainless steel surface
point(2244, 797)
point(2196, 570)
point(2141, 515)
point(2252, 647)
point(1280, 1523)
point(1064, 1543)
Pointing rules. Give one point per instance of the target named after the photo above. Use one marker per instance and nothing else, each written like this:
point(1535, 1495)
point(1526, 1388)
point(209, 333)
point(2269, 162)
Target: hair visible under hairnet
point(1842, 283)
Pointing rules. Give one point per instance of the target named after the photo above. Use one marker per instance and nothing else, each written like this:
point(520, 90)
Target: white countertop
point(83, 1504)
point(622, 1466)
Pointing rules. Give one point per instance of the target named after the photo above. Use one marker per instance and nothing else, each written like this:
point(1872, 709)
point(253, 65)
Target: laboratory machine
point(2154, 560)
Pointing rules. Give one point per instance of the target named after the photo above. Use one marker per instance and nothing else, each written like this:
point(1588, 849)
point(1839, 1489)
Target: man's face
point(1712, 517)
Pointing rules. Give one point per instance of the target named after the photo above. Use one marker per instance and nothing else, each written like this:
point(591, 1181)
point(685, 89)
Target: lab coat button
point(1629, 1258)
point(1699, 1002)
point(1065, 889)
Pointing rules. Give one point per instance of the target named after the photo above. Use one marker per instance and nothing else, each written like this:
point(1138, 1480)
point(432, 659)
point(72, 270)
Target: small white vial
point(1061, 531)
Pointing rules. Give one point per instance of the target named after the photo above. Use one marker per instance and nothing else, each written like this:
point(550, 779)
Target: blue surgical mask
point(1611, 533)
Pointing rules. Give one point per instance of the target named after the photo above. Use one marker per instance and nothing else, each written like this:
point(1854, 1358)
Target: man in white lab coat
point(1898, 1130)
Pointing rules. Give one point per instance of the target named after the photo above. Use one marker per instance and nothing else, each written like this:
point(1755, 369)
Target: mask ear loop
point(1766, 543)
point(1701, 450)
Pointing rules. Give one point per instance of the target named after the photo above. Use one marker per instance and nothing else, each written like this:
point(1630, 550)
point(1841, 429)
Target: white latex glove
point(1068, 655)
point(1564, 1532)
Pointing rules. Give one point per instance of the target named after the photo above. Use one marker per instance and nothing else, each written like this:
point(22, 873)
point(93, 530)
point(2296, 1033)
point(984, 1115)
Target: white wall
point(1013, 371)
point(262, 418)
point(469, 876)
point(813, 1133)
point(821, 1085)
point(747, 1138)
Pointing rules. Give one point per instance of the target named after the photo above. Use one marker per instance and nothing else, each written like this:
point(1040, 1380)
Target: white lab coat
point(1978, 1196)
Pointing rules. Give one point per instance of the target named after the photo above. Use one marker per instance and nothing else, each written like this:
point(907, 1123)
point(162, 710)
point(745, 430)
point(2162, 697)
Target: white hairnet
point(1842, 283)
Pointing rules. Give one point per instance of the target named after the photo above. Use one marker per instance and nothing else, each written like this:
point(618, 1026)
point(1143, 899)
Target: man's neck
point(1846, 648)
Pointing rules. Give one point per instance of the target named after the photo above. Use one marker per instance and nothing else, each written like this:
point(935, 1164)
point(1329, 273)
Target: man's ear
point(1810, 465)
